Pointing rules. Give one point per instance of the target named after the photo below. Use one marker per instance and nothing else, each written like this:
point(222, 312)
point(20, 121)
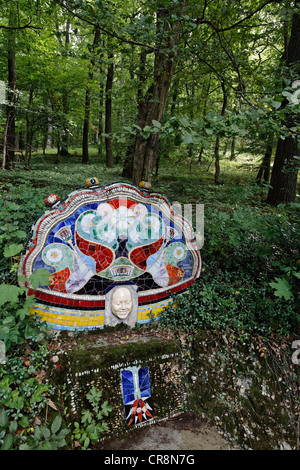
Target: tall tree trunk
point(58, 153)
point(284, 173)
point(87, 107)
point(108, 113)
point(264, 170)
point(101, 104)
point(100, 120)
point(10, 129)
point(128, 162)
point(49, 136)
point(217, 144)
point(152, 106)
point(86, 126)
point(65, 133)
point(29, 134)
point(207, 91)
point(101, 101)
point(232, 149)
point(200, 154)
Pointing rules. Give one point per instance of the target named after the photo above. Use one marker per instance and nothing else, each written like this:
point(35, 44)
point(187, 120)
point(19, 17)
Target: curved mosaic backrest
point(115, 253)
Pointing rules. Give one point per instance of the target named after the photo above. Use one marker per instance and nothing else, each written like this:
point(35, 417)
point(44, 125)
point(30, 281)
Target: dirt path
point(183, 432)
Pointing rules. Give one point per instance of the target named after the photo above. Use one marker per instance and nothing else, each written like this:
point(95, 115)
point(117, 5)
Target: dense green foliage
point(224, 51)
point(248, 282)
point(78, 71)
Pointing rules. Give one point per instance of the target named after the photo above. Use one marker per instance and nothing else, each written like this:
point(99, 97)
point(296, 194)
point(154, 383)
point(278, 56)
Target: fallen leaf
point(37, 421)
point(51, 404)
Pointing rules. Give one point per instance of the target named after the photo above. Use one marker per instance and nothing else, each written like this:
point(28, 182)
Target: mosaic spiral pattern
point(102, 237)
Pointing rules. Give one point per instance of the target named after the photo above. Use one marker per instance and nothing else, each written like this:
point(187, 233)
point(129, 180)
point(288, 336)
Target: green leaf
point(7, 442)
point(38, 433)
point(86, 416)
point(40, 277)
point(282, 288)
point(187, 139)
point(3, 418)
point(156, 123)
point(9, 319)
point(56, 424)
point(37, 394)
point(24, 447)
point(106, 408)
point(9, 294)
point(12, 250)
point(64, 432)
point(20, 234)
point(276, 104)
point(13, 426)
point(46, 432)
point(86, 443)
point(23, 422)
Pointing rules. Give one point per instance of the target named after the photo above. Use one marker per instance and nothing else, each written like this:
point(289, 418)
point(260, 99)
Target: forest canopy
point(144, 79)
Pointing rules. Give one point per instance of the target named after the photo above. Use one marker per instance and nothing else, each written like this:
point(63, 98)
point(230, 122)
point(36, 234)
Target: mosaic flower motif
point(123, 218)
point(179, 252)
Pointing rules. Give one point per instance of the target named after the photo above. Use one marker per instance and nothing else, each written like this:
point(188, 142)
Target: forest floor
point(182, 432)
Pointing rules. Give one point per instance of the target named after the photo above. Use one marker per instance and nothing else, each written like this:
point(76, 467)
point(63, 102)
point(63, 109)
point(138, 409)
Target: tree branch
point(220, 30)
point(28, 25)
point(112, 34)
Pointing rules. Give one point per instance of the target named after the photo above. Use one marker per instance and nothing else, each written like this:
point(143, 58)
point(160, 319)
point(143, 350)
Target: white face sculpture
point(121, 303)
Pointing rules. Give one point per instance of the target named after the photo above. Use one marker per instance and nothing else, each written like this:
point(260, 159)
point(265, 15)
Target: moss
point(241, 387)
point(87, 364)
point(255, 417)
point(86, 358)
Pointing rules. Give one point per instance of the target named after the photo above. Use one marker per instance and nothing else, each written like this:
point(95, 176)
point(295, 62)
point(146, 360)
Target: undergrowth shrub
point(248, 286)
point(226, 301)
point(250, 276)
point(251, 239)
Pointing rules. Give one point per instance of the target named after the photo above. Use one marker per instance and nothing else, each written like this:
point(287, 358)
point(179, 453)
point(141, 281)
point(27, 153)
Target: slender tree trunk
point(100, 120)
point(108, 113)
point(29, 136)
point(65, 134)
point(49, 136)
point(284, 173)
point(217, 161)
point(10, 134)
point(128, 162)
point(86, 126)
point(4, 164)
point(264, 170)
point(217, 144)
point(87, 107)
point(58, 153)
point(152, 106)
point(285, 168)
point(203, 115)
point(232, 149)
point(200, 155)
point(225, 148)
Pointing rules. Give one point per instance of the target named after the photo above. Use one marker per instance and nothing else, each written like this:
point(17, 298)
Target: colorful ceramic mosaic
point(100, 238)
point(136, 391)
point(141, 392)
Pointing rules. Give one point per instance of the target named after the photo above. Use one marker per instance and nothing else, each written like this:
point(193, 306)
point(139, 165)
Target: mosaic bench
point(115, 254)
